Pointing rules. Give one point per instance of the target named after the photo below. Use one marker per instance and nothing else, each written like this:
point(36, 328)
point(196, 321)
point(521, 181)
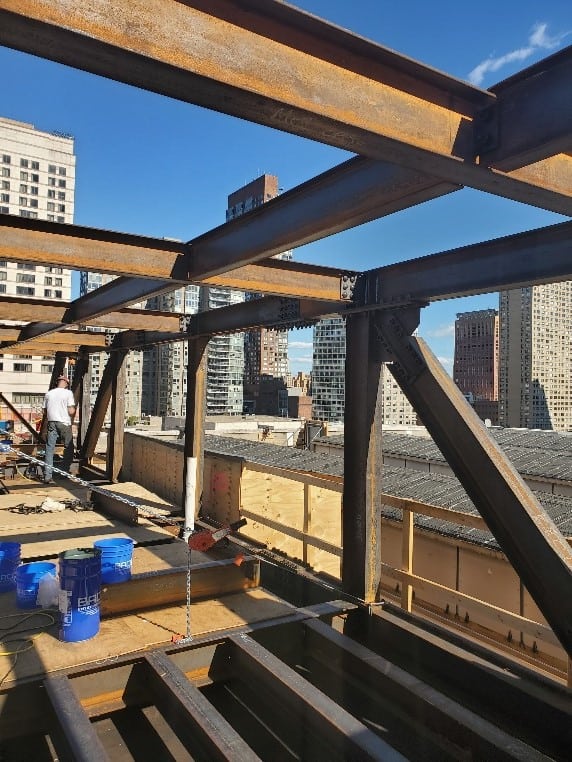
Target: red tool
point(208, 537)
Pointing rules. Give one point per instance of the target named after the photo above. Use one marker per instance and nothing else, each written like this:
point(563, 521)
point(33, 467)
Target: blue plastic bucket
point(80, 583)
point(9, 562)
point(28, 578)
point(116, 558)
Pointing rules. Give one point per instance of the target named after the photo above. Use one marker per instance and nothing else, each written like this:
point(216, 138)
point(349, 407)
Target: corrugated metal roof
point(434, 489)
point(534, 453)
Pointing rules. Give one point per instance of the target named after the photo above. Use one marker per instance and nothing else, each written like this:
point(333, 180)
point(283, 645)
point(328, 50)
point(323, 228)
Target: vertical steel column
point(117, 428)
point(194, 431)
point(532, 543)
point(98, 413)
point(361, 503)
point(84, 402)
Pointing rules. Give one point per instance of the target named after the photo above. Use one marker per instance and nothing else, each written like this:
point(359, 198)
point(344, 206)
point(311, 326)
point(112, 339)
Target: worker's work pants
point(58, 429)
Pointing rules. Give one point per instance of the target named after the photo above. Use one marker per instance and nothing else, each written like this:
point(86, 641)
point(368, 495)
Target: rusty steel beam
point(99, 410)
point(525, 259)
point(328, 723)
point(114, 460)
point(192, 716)
point(532, 543)
point(73, 339)
point(23, 240)
point(361, 499)
point(237, 58)
point(30, 310)
point(532, 118)
point(78, 739)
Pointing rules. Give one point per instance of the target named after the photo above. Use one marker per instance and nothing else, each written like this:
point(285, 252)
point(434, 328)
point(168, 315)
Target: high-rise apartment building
point(134, 362)
point(328, 379)
point(37, 181)
point(265, 349)
point(164, 387)
point(535, 379)
point(475, 367)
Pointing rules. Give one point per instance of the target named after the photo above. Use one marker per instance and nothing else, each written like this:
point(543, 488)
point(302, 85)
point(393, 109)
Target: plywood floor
point(48, 534)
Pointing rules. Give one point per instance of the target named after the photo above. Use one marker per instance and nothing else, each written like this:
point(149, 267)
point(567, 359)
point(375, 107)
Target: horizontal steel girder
point(526, 259)
point(532, 543)
point(533, 113)
point(280, 67)
point(350, 194)
point(30, 310)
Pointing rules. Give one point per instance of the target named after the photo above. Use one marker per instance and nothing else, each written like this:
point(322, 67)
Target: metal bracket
point(486, 128)
point(394, 330)
point(109, 338)
point(347, 285)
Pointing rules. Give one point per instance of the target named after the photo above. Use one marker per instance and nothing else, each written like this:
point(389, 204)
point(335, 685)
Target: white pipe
point(190, 497)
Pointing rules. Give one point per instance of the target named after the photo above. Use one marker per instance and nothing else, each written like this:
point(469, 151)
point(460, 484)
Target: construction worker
point(59, 407)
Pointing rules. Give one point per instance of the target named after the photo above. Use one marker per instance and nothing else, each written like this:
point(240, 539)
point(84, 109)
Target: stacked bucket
point(81, 574)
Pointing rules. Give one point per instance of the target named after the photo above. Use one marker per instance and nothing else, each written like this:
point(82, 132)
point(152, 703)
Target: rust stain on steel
point(85, 253)
point(178, 35)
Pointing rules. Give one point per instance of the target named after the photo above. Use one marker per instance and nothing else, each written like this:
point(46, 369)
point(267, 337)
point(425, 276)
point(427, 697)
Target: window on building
point(51, 180)
point(35, 165)
point(51, 217)
point(6, 159)
point(5, 198)
point(61, 195)
point(58, 294)
point(46, 368)
point(34, 203)
point(34, 190)
point(4, 210)
point(22, 367)
point(25, 278)
point(62, 171)
point(25, 266)
point(61, 183)
point(48, 281)
point(23, 398)
point(3, 275)
point(25, 290)
point(23, 188)
point(23, 201)
point(61, 207)
point(5, 185)
point(35, 178)
point(27, 213)
point(51, 206)
point(3, 263)
point(51, 193)
point(5, 172)
point(24, 162)
point(2, 288)
point(23, 175)
point(58, 282)
point(48, 293)
point(52, 169)
point(61, 219)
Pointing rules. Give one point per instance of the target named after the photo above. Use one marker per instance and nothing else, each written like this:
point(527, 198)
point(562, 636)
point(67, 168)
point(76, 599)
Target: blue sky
point(150, 165)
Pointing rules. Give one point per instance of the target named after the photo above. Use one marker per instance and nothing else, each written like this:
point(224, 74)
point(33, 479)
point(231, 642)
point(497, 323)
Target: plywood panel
point(132, 633)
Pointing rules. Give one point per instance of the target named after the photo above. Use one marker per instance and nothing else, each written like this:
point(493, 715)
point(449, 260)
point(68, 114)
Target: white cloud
point(441, 331)
point(446, 361)
point(301, 359)
point(538, 40)
point(300, 344)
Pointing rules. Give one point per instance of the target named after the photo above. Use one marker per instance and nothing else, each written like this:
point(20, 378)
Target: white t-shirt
point(56, 404)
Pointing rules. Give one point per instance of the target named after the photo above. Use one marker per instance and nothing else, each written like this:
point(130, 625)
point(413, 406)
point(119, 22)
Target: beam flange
point(525, 259)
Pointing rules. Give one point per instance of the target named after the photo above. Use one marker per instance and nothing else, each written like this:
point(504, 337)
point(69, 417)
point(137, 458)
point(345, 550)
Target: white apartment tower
point(134, 368)
point(328, 379)
point(37, 181)
point(164, 389)
point(535, 369)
